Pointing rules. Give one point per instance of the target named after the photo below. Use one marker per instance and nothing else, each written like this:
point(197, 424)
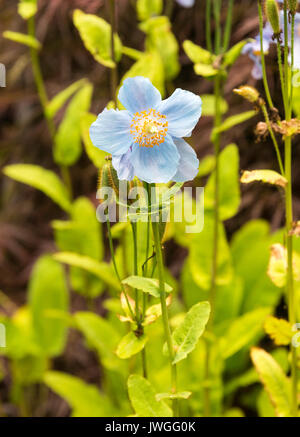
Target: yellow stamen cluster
point(149, 128)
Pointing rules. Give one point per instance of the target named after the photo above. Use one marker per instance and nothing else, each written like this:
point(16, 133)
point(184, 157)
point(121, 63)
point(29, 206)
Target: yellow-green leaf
point(209, 105)
point(27, 8)
point(131, 345)
point(280, 330)
point(197, 54)
point(232, 121)
point(274, 380)
point(147, 285)
point(147, 8)
point(186, 335)
point(22, 38)
point(267, 176)
point(143, 400)
point(60, 99)
point(42, 179)
point(96, 35)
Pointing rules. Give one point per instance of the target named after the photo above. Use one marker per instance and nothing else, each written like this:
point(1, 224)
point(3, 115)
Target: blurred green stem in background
point(114, 71)
point(164, 309)
point(289, 202)
point(262, 54)
point(40, 85)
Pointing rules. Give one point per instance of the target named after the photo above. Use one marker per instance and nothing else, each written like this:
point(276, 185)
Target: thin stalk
point(217, 14)
point(135, 271)
point(112, 253)
point(164, 309)
point(114, 71)
point(262, 54)
point(289, 214)
point(292, 61)
point(208, 26)
point(228, 26)
point(282, 78)
point(271, 132)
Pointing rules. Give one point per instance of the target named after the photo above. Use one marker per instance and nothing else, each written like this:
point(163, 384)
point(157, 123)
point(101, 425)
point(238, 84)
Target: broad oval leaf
point(209, 105)
point(197, 54)
point(185, 336)
point(274, 380)
point(67, 143)
point(48, 291)
point(131, 345)
point(96, 35)
point(232, 55)
point(143, 400)
point(42, 179)
point(229, 190)
point(84, 399)
point(147, 285)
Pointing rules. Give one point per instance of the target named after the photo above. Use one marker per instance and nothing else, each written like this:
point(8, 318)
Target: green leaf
point(180, 395)
point(48, 291)
point(232, 55)
point(84, 399)
point(206, 166)
point(186, 335)
point(232, 121)
point(229, 192)
point(162, 40)
point(278, 265)
point(274, 380)
point(131, 345)
point(201, 253)
point(96, 36)
point(42, 179)
point(101, 336)
point(100, 269)
point(149, 65)
point(142, 397)
point(267, 176)
point(197, 54)
point(96, 155)
point(243, 330)
point(60, 99)
point(82, 235)
point(147, 8)
point(209, 105)
point(27, 8)
point(147, 285)
point(22, 38)
point(67, 144)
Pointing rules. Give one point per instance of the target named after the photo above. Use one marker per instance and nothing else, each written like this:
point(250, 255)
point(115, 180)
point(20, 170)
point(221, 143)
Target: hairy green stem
point(262, 54)
point(164, 309)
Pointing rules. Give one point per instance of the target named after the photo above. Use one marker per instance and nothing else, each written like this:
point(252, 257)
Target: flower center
point(149, 128)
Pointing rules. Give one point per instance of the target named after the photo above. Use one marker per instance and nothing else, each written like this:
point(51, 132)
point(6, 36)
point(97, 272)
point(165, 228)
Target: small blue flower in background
point(145, 140)
point(253, 50)
point(186, 3)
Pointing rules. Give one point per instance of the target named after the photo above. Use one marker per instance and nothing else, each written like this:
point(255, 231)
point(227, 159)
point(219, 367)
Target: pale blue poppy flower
point(186, 3)
point(145, 139)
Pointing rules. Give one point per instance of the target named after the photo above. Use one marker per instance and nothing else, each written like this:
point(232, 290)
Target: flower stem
point(164, 309)
point(228, 26)
point(262, 54)
point(271, 132)
point(208, 25)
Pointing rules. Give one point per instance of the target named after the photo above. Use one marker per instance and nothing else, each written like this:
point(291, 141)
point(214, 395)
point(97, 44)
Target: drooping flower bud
point(293, 5)
point(248, 92)
point(272, 14)
point(108, 177)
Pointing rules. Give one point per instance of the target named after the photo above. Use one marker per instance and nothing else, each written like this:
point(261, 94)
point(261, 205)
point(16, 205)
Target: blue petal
point(188, 163)
point(111, 131)
point(183, 110)
point(156, 164)
point(138, 94)
point(186, 3)
point(123, 166)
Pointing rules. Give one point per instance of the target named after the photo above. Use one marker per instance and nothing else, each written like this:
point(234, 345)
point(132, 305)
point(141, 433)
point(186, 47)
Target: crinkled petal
point(111, 131)
point(157, 164)
point(183, 110)
point(123, 166)
point(138, 94)
point(188, 163)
